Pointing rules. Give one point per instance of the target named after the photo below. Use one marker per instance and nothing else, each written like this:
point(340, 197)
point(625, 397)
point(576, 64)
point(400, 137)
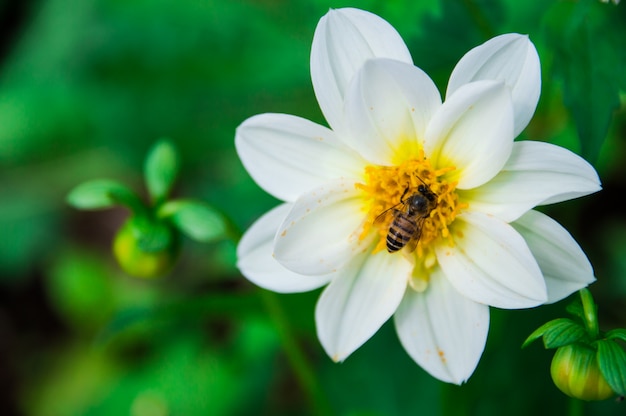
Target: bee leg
point(403, 195)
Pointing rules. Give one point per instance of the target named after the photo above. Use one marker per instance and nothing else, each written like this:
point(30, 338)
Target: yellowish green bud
point(575, 372)
point(141, 259)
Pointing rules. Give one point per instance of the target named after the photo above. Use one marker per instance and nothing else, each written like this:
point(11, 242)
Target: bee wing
point(412, 244)
point(385, 215)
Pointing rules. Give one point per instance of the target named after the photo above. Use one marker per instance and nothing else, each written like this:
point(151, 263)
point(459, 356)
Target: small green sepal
point(161, 170)
point(195, 219)
point(612, 363)
point(618, 333)
point(575, 308)
point(103, 193)
point(152, 234)
point(557, 333)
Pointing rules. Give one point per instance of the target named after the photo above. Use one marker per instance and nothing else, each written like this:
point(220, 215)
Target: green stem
point(575, 407)
point(301, 367)
point(590, 312)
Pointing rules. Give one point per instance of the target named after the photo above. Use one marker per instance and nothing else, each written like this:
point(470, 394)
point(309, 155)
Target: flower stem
point(575, 407)
point(300, 365)
point(590, 313)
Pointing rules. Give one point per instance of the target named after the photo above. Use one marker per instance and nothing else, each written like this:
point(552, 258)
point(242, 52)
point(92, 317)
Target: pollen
point(387, 187)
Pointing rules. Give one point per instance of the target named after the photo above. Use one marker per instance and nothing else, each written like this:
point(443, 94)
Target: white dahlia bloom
point(462, 188)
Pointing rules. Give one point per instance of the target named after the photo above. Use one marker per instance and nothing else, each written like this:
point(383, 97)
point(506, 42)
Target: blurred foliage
point(87, 86)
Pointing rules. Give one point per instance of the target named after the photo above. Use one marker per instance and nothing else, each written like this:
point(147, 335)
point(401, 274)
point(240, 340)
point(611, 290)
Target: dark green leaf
point(102, 193)
point(587, 58)
point(161, 169)
point(195, 219)
point(612, 363)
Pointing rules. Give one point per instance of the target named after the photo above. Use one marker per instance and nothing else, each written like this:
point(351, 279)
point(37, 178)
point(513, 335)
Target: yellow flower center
point(392, 191)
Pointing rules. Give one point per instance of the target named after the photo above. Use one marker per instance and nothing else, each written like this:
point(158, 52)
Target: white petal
point(255, 261)
point(472, 131)
point(511, 58)
point(288, 155)
point(322, 231)
point(389, 103)
point(563, 263)
point(491, 263)
point(536, 173)
point(444, 332)
point(362, 298)
point(344, 39)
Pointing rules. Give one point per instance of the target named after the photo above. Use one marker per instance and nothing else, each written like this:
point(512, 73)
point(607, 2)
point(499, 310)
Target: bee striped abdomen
point(405, 224)
point(400, 233)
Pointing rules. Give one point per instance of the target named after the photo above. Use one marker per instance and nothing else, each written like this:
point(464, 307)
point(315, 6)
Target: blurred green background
point(87, 86)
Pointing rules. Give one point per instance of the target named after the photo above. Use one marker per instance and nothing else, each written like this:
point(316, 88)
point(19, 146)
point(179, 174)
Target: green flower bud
point(575, 372)
point(146, 248)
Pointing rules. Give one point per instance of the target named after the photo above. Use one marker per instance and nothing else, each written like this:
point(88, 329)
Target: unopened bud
point(575, 372)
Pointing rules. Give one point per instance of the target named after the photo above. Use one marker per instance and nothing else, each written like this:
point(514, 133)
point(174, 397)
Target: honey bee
point(406, 227)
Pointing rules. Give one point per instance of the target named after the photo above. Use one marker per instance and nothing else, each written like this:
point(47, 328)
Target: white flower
point(481, 243)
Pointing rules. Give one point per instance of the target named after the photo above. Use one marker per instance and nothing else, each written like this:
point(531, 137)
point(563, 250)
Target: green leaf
point(103, 193)
point(616, 334)
point(612, 363)
point(557, 333)
point(587, 57)
point(161, 169)
point(197, 220)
